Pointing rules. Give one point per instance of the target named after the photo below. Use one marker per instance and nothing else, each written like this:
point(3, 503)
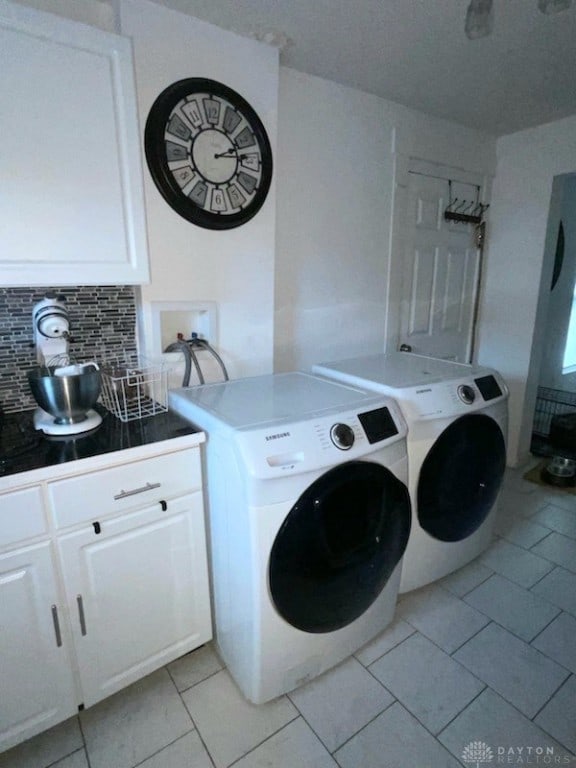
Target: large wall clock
point(208, 153)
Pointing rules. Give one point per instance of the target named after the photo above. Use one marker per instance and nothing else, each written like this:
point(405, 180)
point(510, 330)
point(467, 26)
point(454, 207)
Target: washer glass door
point(338, 546)
point(460, 478)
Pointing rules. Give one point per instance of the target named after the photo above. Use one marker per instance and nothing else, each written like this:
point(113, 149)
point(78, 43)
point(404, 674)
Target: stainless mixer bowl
point(67, 398)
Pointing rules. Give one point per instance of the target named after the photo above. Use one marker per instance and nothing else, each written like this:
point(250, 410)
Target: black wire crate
point(550, 403)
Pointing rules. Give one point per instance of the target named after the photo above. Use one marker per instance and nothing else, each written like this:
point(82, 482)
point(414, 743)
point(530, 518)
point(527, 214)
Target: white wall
point(234, 268)
point(97, 13)
point(512, 320)
point(334, 196)
point(339, 149)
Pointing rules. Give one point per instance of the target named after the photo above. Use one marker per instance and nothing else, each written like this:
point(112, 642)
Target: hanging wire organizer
point(465, 211)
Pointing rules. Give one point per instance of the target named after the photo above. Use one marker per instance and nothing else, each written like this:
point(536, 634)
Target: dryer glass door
point(338, 546)
point(460, 478)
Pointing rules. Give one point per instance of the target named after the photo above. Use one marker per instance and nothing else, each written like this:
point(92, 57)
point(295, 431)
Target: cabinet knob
point(97, 528)
point(164, 505)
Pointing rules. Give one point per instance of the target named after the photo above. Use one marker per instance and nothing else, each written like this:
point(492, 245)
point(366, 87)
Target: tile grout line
point(511, 631)
point(170, 743)
point(270, 736)
point(565, 680)
point(490, 621)
point(189, 688)
point(448, 653)
point(88, 761)
point(536, 636)
point(465, 594)
point(65, 757)
point(551, 531)
point(553, 563)
point(405, 706)
point(360, 729)
point(192, 719)
point(399, 643)
point(358, 732)
point(301, 714)
point(457, 715)
point(544, 576)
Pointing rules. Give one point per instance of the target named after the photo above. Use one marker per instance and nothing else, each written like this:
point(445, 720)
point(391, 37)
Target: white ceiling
point(415, 52)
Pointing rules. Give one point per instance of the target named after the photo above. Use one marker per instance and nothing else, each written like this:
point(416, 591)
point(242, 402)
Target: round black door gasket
point(338, 546)
point(460, 478)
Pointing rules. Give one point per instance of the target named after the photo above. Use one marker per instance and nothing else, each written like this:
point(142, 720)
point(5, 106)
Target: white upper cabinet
point(71, 192)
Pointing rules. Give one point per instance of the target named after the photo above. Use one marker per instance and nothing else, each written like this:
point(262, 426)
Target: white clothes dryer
point(309, 516)
point(457, 417)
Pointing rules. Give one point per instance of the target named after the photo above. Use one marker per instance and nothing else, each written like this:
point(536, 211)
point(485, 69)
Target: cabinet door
point(137, 592)
point(72, 195)
point(36, 682)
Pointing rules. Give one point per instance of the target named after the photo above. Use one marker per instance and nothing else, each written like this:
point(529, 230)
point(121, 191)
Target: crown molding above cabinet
point(72, 200)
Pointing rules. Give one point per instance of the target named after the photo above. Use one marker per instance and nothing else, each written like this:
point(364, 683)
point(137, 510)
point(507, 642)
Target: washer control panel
point(466, 393)
point(342, 435)
point(323, 440)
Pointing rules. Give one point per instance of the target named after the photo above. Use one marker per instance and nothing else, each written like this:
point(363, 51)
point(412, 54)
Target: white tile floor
point(487, 654)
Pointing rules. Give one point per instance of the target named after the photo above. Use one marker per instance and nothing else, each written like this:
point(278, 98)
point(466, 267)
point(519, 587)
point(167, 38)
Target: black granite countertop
point(22, 448)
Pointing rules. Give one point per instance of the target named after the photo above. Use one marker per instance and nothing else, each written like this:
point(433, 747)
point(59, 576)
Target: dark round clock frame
point(208, 153)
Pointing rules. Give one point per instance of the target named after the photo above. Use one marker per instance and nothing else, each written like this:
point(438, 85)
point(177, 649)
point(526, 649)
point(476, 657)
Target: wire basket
point(134, 389)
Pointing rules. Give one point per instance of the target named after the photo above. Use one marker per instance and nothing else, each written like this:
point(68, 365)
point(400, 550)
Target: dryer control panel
point(318, 442)
point(451, 398)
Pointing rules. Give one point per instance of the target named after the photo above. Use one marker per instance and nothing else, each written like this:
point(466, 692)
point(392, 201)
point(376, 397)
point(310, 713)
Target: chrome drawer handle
point(147, 487)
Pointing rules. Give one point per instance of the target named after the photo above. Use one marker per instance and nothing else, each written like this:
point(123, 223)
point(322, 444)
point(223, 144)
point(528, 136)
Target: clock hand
point(227, 153)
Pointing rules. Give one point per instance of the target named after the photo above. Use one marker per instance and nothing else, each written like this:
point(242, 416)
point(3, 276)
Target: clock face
point(208, 153)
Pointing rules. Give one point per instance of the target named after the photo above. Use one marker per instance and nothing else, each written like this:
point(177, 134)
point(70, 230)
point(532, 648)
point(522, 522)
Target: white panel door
point(36, 682)
point(137, 592)
point(440, 272)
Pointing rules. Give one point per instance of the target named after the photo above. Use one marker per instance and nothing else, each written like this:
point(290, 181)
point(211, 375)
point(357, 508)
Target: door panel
point(137, 593)
point(422, 292)
point(35, 671)
point(440, 273)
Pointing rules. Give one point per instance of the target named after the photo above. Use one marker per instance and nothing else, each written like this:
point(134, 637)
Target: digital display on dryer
point(378, 425)
point(488, 387)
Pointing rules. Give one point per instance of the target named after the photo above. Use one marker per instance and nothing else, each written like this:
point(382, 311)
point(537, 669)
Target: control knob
point(342, 436)
point(466, 394)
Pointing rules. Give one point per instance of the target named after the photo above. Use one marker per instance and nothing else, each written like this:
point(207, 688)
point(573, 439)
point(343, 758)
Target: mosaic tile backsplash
point(102, 325)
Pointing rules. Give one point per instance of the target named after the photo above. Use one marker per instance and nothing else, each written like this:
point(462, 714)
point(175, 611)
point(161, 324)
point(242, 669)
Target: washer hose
point(188, 350)
point(203, 344)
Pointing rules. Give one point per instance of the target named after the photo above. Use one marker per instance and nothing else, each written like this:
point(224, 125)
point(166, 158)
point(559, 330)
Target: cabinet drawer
point(21, 515)
point(137, 484)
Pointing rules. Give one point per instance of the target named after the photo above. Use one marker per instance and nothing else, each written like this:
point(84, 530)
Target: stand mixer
point(66, 393)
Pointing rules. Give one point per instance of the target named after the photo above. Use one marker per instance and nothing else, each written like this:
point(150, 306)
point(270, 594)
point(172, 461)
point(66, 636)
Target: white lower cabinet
point(105, 593)
point(136, 593)
point(36, 679)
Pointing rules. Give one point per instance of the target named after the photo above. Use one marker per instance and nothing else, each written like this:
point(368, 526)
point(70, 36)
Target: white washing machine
point(457, 417)
point(309, 516)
